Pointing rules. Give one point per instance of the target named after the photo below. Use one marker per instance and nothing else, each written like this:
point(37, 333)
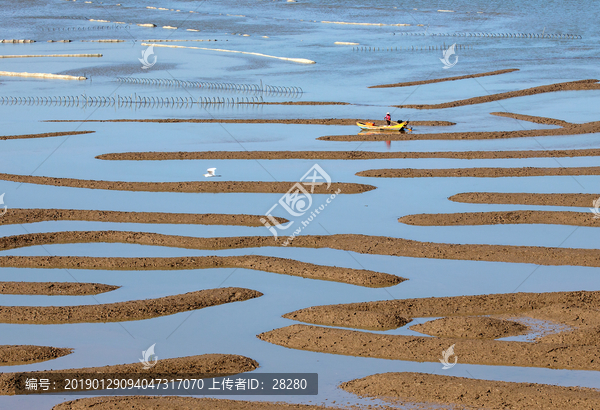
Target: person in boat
point(388, 118)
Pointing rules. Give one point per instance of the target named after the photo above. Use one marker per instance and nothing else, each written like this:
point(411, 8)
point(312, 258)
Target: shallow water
point(340, 74)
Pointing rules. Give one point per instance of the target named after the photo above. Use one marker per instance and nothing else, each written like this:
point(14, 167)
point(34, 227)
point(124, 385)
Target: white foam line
point(364, 24)
point(295, 60)
point(345, 43)
point(40, 75)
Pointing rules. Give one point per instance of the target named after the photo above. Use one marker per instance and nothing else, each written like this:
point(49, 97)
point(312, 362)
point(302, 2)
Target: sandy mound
point(54, 288)
point(501, 218)
point(179, 403)
point(123, 311)
point(579, 200)
point(405, 388)
point(359, 277)
point(43, 135)
point(301, 121)
point(572, 308)
point(20, 216)
point(568, 86)
point(441, 80)
point(470, 327)
point(568, 129)
point(477, 172)
point(24, 354)
point(186, 186)
point(344, 155)
point(206, 365)
point(376, 245)
point(429, 349)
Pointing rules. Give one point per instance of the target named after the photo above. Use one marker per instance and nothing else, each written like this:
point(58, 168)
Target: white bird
point(211, 172)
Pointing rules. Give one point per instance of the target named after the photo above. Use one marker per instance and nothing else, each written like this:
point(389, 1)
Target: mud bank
point(573, 129)
point(344, 155)
point(44, 135)
point(478, 172)
point(359, 277)
point(441, 80)
point(300, 121)
point(407, 388)
point(208, 364)
point(470, 327)
point(552, 305)
point(25, 354)
point(429, 349)
point(180, 403)
point(186, 186)
point(589, 84)
point(124, 311)
point(375, 245)
point(21, 216)
point(503, 218)
point(578, 200)
point(54, 288)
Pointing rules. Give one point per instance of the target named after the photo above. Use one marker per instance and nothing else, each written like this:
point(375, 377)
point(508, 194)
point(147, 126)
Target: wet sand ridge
point(359, 277)
point(590, 84)
point(344, 155)
point(186, 186)
point(20, 216)
point(25, 354)
point(124, 311)
point(578, 200)
point(54, 288)
point(502, 218)
point(203, 365)
point(440, 80)
point(377, 245)
point(406, 388)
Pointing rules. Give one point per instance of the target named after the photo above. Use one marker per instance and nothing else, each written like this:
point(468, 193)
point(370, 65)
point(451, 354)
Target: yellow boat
point(372, 126)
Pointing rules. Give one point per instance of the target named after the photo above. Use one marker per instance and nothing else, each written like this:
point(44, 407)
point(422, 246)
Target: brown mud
point(570, 129)
point(44, 135)
point(551, 306)
point(283, 266)
point(470, 327)
point(590, 84)
point(186, 186)
point(25, 354)
point(578, 200)
point(465, 393)
point(179, 403)
point(21, 216)
point(503, 218)
point(533, 118)
point(429, 349)
point(124, 311)
point(54, 288)
point(345, 155)
point(478, 172)
point(300, 121)
point(441, 80)
point(376, 245)
point(207, 364)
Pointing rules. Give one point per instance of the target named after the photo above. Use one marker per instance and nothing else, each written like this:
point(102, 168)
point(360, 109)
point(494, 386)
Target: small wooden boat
point(371, 126)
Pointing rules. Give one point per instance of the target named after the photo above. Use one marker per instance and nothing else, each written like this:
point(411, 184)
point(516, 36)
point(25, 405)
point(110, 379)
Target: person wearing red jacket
point(388, 118)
